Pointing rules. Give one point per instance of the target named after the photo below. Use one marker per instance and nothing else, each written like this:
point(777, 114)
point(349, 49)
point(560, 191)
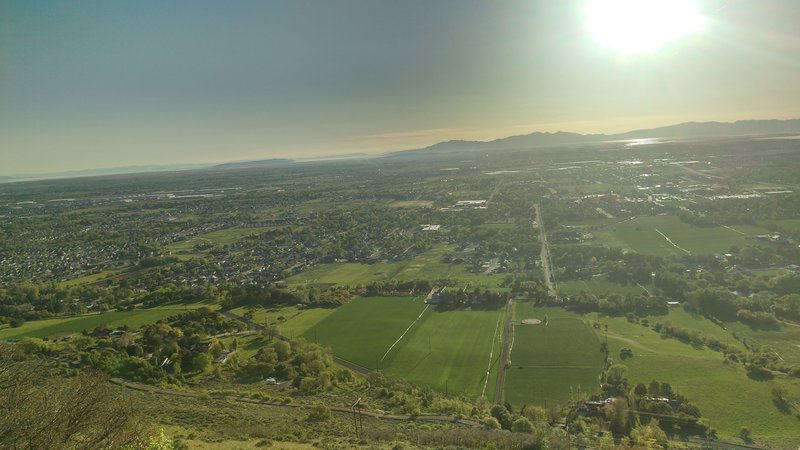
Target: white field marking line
point(491, 353)
point(404, 333)
point(511, 347)
point(558, 367)
point(732, 229)
point(673, 244)
point(645, 289)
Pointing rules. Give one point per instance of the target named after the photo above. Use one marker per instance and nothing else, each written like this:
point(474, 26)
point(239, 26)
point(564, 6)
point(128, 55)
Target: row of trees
point(627, 405)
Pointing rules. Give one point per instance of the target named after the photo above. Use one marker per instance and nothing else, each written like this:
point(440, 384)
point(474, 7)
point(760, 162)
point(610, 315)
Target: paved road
point(544, 256)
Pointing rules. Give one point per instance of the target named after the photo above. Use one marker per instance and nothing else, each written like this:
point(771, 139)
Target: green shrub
point(319, 413)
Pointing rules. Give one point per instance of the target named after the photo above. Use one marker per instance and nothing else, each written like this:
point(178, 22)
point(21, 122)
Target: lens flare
point(635, 26)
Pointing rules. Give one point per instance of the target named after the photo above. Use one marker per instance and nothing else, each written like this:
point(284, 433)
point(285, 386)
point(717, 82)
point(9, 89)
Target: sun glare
point(634, 26)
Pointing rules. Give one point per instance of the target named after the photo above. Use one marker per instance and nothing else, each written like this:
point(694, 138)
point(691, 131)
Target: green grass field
point(411, 204)
point(785, 341)
point(219, 237)
point(248, 345)
point(598, 285)
point(791, 224)
point(727, 398)
point(641, 234)
point(548, 385)
point(91, 278)
point(449, 351)
point(296, 321)
point(586, 223)
point(496, 226)
point(550, 359)
point(434, 351)
point(428, 266)
point(362, 330)
point(559, 342)
point(88, 322)
point(591, 188)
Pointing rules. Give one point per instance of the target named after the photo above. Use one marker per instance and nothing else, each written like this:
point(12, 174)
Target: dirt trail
point(505, 354)
point(377, 415)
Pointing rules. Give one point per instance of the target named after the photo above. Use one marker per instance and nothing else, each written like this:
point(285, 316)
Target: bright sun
point(634, 26)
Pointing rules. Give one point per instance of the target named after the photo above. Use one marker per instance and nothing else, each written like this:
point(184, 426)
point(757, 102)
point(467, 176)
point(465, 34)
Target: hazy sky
point(86, 84)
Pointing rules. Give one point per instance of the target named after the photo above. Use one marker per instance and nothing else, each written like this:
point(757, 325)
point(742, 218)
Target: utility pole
point(357, 420)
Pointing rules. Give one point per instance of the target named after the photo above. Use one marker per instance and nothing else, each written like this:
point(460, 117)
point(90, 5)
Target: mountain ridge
point(684, 130)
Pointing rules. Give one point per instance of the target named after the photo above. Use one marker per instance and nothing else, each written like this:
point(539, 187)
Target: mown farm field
point(362, 330)
point(451, 352)
point(550, 359)
point(651, 235)
point(402, 336)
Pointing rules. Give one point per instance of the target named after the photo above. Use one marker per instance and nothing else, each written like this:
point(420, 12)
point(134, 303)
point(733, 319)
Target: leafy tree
point(619, 415)
point(81, 412)
point(649, 436)
point(502, 415)
point(534, 413)
point(615, 378)
point(522, 425)
point(491, 422)
point(654, 388)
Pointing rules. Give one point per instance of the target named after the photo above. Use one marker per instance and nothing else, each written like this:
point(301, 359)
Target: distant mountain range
point(283, 161)
point(248, 164)
point(687, 130)
point(104, 171)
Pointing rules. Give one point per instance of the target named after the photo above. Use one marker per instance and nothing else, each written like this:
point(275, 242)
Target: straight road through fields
point(544, 256)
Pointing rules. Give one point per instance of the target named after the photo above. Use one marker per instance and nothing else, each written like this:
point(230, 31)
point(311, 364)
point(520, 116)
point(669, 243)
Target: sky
point(105, 83)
